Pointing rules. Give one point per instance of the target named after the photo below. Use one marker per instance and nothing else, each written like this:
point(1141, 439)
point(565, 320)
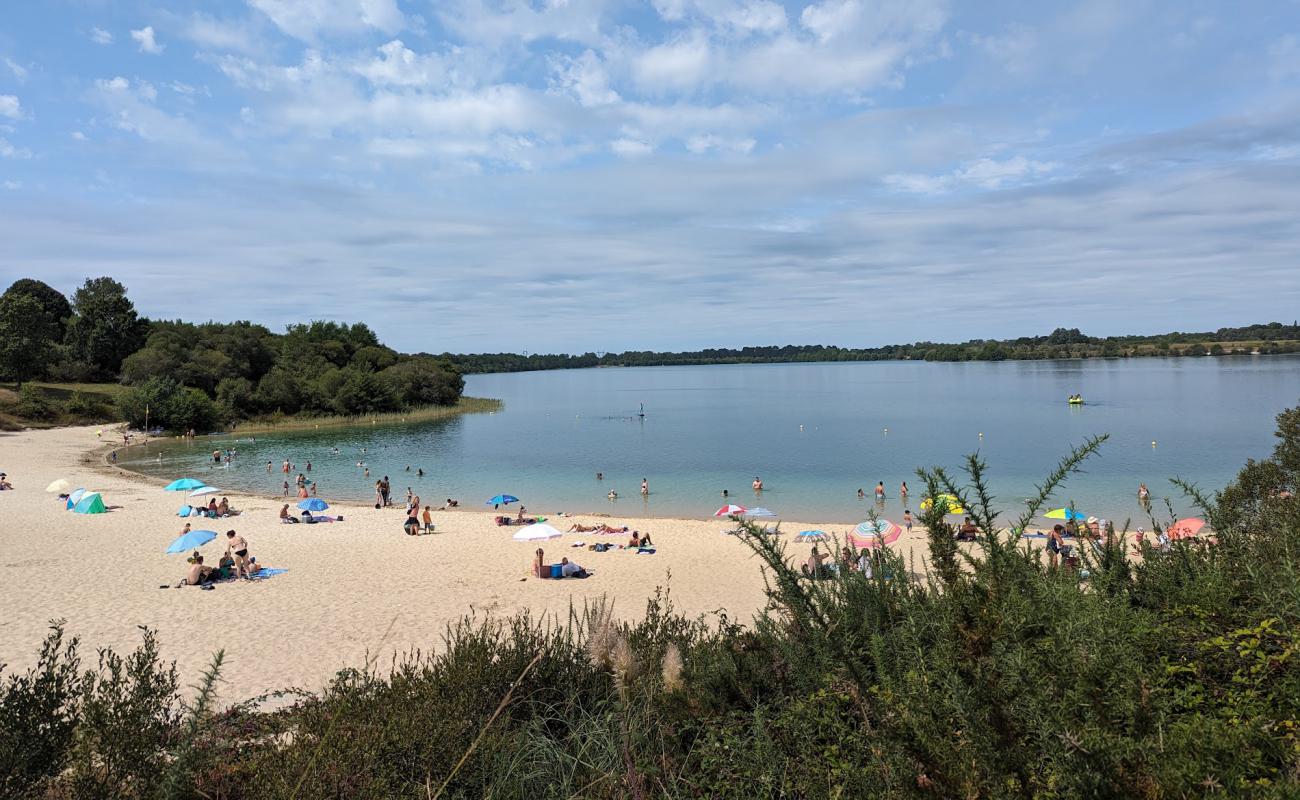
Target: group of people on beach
point(234, 564)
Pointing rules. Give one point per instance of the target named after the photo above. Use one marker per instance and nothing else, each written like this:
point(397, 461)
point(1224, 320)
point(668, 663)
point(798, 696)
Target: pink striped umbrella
point(729, 510)
point(875, 534)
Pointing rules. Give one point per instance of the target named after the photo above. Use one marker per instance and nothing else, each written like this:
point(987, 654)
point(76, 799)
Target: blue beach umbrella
point(758, 512)
point(191, 540)
point(313, 504)
point(502, 500)
point(811, 536)
point(183, 485)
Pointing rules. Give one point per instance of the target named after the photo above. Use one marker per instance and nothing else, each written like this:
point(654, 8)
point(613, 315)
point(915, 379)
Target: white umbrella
point(58, 487)
point(205, 490)
point(537, 532)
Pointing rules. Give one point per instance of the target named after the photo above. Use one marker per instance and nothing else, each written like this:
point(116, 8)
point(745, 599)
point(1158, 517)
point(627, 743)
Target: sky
point(604, 175)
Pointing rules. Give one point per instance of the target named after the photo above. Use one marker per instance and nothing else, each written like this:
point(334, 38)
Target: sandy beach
point(353, 588)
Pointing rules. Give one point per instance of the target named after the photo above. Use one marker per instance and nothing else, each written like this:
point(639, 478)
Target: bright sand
point(353, 588)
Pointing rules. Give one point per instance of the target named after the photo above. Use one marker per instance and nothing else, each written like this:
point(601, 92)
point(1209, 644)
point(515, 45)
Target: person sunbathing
point(645, 540)
point(570, 570)
point(4, 482)
point(580, 528)
point(607, 529)
point(635, 542)
point(199, 574)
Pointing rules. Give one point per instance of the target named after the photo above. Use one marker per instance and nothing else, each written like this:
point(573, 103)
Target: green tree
point(363, 393)
point(52, 301)
point(28, 336)
point(423, 382)
point(105, 328)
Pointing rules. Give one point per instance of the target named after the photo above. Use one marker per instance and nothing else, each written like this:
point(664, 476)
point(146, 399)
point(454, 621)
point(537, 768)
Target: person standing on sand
point(907, 520)
point(237, 547)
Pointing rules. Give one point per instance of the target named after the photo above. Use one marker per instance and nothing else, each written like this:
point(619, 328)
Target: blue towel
point(268, 572)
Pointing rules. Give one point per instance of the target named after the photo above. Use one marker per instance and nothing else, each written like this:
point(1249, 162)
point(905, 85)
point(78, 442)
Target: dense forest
point(185, 375)
point(1270, 339)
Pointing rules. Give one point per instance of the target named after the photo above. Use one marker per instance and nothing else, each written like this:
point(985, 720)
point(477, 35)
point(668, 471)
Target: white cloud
point(397, 65)
point(19, 71)
point(145, 38)
point(10, 107)
point(982, 173)
point(831, 18)
point(117, 84)
point(681, 64)
point(703, 143)
point(219, 34)
point(585, 78)
point(13, 185)
point(7, 150)
point(311, 19)
point(631, 148)
point(78, 136)
point(100, 36)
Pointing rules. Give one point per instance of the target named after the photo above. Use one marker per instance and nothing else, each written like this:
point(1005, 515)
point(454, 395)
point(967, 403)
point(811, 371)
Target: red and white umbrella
point(729, 510)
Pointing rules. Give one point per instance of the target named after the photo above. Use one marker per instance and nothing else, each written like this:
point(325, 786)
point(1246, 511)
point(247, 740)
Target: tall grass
point(466, 405)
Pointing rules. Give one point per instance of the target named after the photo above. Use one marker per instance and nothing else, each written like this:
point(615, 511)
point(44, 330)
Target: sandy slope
point(353, 587)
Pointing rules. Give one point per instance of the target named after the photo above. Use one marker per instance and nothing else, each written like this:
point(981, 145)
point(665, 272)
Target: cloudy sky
point(572, 175)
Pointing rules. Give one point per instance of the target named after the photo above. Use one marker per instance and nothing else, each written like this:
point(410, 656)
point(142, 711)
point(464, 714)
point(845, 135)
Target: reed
point(466, 405)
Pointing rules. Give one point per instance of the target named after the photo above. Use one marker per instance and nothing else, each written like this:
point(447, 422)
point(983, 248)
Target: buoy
point(1153, 442)
point(981, 435)
point(886, 430)
point(800, 427)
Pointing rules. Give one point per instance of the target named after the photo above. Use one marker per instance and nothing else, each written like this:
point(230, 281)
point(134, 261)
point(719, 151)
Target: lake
point(815, 433)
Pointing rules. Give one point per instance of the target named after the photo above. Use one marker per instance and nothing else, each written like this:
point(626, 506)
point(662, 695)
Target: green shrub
point(33, 404)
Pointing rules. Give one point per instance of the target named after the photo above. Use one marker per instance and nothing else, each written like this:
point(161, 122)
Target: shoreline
point(354, 591)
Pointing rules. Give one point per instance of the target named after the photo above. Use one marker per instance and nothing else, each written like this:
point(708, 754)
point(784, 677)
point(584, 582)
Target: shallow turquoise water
point(814, 432)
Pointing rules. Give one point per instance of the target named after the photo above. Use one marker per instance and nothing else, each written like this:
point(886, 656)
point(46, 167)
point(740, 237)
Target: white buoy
point(886, 430)
point(800, 427)
point(981, 434)
point(1153, 442)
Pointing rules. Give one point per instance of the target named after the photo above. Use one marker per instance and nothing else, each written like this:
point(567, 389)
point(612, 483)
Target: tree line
point(184, 375)
point(1272, 338)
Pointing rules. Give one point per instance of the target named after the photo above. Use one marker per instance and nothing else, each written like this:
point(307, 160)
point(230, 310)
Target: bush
point(34, 405)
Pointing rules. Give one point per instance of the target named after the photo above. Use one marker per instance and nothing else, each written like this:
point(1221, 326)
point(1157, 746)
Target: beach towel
point(268, 572)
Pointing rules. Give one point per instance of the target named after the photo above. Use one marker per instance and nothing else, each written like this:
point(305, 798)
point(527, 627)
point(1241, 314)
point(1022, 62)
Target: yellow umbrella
point(954, 505)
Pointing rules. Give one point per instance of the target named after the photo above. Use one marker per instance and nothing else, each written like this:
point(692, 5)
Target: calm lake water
point(816, 433)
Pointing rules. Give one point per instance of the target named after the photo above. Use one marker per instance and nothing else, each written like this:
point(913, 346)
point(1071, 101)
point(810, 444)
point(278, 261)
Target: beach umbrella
point(1186, 527)
point(90, 503)
point(502, 500)
point(536, 532)
point(729, 510)
point(954, 505)
point(875, 534)
point(183, 485)
point(1065, 513)
point(758, 512)
point(811, 536)
point(313, 504)
point(58, 487)
point(191, 540)
point(205, 490)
